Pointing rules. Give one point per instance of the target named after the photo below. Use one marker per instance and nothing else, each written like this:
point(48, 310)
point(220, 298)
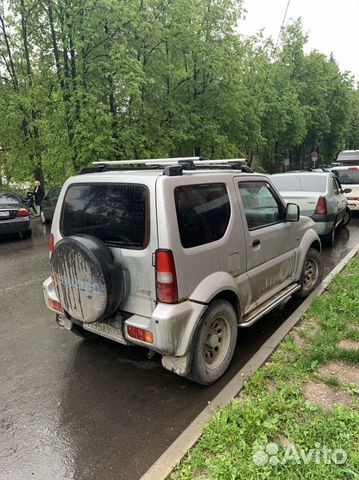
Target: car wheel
point(346, 218)
point(329, 239)
point(214, 343)
point(43, 218)
point(26, 234)
point(312, 273)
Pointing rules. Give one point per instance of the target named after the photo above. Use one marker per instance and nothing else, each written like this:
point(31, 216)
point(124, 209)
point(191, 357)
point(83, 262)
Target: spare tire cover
point(88, 282)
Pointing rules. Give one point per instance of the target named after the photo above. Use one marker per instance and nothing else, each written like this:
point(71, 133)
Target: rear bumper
point(323, 223)
point(172, 326)
point(353, 205)
point(15, 225)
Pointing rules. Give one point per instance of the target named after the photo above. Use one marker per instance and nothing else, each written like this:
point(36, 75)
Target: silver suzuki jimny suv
point(176, 255)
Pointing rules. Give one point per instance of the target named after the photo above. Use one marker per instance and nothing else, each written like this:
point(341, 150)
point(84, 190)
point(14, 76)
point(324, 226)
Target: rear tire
point(312, 273)
point(43, 218)
point(27, 234)
point(346, 218)
point(214, 343)
point(329, 239)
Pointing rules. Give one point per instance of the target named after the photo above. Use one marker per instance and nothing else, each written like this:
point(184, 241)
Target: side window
point(261, 205)
point(335, 186)
point(203, 213)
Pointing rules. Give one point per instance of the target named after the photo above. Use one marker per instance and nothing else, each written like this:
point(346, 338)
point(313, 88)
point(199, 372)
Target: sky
point(332, 25)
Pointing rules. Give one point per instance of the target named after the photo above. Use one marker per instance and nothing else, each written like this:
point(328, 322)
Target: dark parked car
point(14, 216)
point(49, 203)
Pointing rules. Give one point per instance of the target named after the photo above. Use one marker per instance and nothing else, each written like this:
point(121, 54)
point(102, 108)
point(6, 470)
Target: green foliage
point(282, 414)
point(91, 80)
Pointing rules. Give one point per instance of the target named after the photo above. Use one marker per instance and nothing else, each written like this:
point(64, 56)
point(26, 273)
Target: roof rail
point(185, 163)
point(148, 161)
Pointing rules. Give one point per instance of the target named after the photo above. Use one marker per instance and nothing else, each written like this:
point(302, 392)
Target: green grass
point(272, 406)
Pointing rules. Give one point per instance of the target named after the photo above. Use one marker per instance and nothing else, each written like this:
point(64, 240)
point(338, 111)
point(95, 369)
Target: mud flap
point(178, 365)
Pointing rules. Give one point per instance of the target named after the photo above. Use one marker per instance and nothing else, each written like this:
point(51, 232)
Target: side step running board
point(267, 306)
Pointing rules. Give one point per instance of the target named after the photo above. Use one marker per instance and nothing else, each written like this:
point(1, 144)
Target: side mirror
point(292, 212)
point(347, 190)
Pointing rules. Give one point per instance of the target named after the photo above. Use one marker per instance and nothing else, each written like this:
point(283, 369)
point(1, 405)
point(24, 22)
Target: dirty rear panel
point(119, 210)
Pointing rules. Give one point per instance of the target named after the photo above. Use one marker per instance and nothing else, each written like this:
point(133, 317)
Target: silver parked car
point(175, 258)
point(320, 196)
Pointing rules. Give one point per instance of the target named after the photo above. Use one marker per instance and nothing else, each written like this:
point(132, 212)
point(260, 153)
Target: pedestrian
point(38, 195)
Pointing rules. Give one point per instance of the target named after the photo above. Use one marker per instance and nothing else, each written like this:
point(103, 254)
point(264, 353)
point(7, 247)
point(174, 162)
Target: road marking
point(177, 450)
point(19, 285)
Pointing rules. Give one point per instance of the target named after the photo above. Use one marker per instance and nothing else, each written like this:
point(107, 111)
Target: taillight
point(321, 207)
point(51, 243)
point(140, 334)
point(22, 212)
point(55, 305)
point(166, 278)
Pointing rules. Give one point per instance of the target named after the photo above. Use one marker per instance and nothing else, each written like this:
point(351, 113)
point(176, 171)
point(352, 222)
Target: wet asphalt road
point(72, 409)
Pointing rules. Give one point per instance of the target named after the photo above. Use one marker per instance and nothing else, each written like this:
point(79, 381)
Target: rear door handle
point(256, 243)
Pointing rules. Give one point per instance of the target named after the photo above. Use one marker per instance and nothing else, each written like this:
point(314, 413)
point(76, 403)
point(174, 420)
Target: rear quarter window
point(203, 213)
point(117, 214)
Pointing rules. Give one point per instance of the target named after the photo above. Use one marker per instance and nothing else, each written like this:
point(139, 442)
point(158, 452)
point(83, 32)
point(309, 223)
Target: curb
point(176, 451)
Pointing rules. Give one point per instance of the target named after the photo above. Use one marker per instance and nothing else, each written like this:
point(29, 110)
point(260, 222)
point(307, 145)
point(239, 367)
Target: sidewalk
point(298, 415)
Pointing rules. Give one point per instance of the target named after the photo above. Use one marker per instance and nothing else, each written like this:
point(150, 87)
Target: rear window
point(300, 183)
point(203, 213)
point(348, 177)
point(9, 199)
point(117, 214)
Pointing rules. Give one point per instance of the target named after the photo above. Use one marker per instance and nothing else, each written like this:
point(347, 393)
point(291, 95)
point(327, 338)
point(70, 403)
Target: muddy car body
point(176, 258)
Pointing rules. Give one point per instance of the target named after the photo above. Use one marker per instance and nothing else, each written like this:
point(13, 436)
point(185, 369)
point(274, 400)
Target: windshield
point(349, 176)
point(117, 214)
point(299, 183)
point(9, 199)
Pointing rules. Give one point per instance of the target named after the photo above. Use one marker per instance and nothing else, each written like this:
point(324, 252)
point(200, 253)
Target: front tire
point(214, 343)
point(312, 273)
point(43, 218)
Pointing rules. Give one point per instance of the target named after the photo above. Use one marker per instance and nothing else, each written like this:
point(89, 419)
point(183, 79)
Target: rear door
point(270, 240)
point(122, 215)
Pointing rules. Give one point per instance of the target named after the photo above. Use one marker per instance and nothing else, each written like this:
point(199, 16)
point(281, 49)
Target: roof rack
point(170, 166)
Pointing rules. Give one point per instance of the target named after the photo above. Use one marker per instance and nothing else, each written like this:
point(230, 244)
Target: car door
point(50, 202)
point(270, 241)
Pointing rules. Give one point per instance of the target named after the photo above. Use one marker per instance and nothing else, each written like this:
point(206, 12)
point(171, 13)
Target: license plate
point(4, 214)
point(106, 330)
